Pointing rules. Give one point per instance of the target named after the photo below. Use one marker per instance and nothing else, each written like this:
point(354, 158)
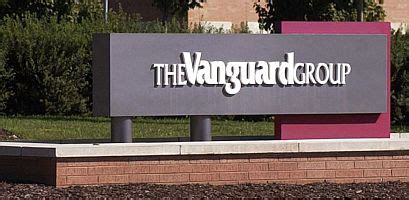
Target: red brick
point(263, 160)
point(311, 165)
point(320, 174)
point(400, 172)
point(368, 180)
point(290, 159)
point(350, 158)
point(195, 168)
point(233, 176)
point(283, 166)
point(401, 157)
point(340, 180)
point(173, 178)
point(289, 181)
point(144, 178)
point(402, 179)
point(340, 164)
point(253, 167)
point(268, 175)
point(298, 174)
point(349, 173)
point(377, 172)
point(163, 169)
point(224, 183)
point(368, 164)
point(395, 163)
point(378, 157)
point(224, 167)
point(113, 179)
point(254, 181)
point(321, 158)
point(136, 169)
point(307, 181)
point(61, 181)
point(76, 171)
point(82, 180)
point(111, 170)
point(204, 177)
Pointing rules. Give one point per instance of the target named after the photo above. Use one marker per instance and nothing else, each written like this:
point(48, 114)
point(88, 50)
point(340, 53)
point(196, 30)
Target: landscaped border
point(224, 162)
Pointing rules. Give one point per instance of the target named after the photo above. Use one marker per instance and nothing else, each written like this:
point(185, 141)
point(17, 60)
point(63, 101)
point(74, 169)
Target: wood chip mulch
point(316, 190)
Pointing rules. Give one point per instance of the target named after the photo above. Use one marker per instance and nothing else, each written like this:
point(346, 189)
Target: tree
point(175, 8)
point(314, 10)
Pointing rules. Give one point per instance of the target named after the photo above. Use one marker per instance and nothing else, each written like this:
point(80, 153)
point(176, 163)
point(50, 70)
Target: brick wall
point(234, 169)
point(241, 10)
point(396, 10)
point(236, 11)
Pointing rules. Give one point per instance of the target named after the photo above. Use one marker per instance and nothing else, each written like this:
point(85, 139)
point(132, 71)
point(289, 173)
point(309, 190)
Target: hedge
point(45, 62)
point(400, 77)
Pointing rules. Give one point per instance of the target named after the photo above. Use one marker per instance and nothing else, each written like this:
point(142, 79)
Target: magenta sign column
point(336, 126)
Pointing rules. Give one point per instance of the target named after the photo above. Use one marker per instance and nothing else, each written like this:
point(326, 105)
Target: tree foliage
point(400, 77)
point(71, 10)
point(314, 10)
point(175, 8)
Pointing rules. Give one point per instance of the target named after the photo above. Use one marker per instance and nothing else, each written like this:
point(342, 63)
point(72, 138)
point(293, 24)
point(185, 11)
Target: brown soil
point(318, 190)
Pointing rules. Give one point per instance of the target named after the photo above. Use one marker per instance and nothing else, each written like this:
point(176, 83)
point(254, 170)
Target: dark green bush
point(50, 64)
point(50, 60)
point(70, 10)
point(400, 78)
point(5, 76)
point(314, 10)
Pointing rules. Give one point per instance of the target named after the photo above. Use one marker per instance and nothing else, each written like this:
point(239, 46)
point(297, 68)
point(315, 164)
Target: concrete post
point(200, 128)
point(121, 129)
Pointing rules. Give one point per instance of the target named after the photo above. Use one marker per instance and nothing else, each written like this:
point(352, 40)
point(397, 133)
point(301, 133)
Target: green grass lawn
point(63, 128)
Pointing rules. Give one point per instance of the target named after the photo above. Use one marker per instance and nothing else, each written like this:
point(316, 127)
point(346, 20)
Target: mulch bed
point(317, 190)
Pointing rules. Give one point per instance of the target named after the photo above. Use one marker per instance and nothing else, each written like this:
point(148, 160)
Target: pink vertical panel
point(336, 126)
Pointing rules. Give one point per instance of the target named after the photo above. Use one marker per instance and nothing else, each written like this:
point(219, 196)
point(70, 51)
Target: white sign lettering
point(233, 75)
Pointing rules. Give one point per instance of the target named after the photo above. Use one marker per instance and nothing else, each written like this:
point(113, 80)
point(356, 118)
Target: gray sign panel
point(125, 80)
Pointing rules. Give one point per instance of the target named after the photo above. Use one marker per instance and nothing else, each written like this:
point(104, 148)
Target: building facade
point(227, 14)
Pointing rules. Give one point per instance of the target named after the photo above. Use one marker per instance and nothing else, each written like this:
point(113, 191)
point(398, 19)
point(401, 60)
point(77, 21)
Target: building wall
point(225, 13)
point(397, 12)
point(299, 168)
point(235, 169)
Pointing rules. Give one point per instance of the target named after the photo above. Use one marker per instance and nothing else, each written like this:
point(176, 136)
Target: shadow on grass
point(150, 140)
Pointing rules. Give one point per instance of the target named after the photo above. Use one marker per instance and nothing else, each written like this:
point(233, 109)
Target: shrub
point(50, 60)
point(314, 10)
point(5, 76)
point(400, 77)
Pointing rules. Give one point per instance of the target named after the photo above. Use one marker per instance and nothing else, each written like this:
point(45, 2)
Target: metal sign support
point(200, 128)
point(121, 129)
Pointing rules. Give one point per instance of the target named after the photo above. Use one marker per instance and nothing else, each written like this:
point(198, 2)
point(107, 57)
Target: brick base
point(297, 168)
